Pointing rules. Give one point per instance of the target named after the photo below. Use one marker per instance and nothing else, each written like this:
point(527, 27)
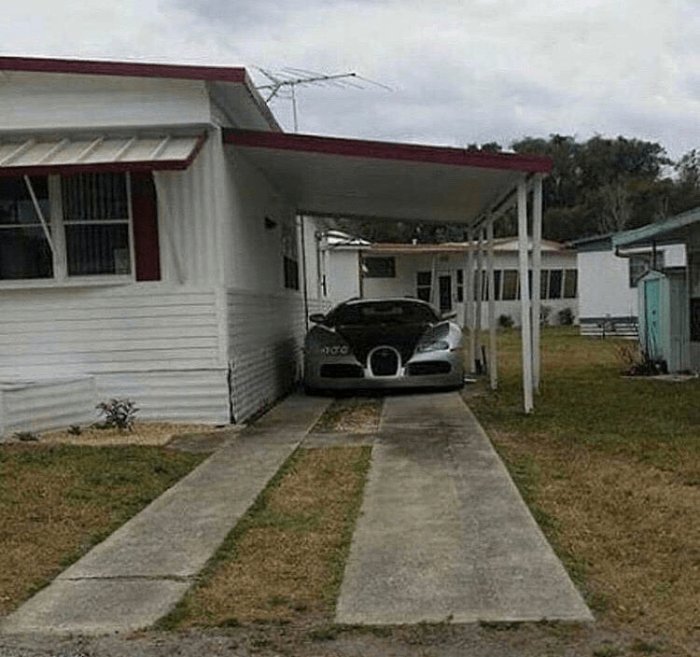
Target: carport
point(329, 176)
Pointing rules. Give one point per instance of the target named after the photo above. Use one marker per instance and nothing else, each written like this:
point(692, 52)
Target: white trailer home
point(437, 273)
point(608, 279)
point(138, 256)
point(151, 243)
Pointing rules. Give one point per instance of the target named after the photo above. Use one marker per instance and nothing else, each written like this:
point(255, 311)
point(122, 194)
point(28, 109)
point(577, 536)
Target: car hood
point(403, 337)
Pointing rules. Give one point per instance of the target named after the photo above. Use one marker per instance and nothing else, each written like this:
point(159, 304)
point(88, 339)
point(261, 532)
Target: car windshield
point(382, 312)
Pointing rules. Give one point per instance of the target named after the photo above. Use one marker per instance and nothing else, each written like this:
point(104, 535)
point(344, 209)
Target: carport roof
point(333, 176)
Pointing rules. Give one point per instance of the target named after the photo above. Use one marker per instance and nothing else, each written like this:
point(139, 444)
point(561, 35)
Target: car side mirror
point(317, 318)
point(450, 315)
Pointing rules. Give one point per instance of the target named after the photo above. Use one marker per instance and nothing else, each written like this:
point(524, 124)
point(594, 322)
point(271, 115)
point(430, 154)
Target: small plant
point(26, 436)
point(75, 430)
point(505, 321)
point(118, 414)
point(566, 317)
point(638, 362)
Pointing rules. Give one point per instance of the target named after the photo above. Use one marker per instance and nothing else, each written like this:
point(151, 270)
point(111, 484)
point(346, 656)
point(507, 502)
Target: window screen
point(374, 267)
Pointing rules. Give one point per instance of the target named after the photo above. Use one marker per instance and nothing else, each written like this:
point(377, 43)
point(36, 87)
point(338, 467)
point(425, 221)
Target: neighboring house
point(607, 282)
point(436, 273)
point(153, 225)
point(669, 297)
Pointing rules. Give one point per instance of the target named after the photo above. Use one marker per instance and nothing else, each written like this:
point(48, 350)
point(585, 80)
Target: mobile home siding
point(266, 334)
point(124, 336)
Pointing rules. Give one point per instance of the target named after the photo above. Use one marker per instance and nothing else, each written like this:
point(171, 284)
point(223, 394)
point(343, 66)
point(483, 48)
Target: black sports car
point(382, 343)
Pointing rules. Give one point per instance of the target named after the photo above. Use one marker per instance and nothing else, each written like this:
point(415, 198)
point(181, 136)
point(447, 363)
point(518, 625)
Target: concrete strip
point(443, 532)
point(137, 574)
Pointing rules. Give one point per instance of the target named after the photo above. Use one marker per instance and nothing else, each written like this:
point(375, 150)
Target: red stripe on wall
point(144, 209)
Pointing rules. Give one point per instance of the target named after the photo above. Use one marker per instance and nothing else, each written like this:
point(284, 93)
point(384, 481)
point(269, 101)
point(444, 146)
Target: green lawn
point(58, 501)
point(611, 468)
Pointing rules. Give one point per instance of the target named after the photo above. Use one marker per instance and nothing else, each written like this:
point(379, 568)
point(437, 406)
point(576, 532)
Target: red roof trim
point(387, 150)
point(129, 69)
point(101, 167)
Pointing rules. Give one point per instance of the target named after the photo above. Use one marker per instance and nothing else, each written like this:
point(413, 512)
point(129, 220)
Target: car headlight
point(335, 350)
point(436, 345)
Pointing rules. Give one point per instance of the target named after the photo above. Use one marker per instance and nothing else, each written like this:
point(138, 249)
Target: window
point(96, 222)
point(497, 274)
point(510, 284)
point(25, 252)
point(86, 228)
point(571, 284)
point(460, 285)
point(374, 267)
point(556, 277)
point(423, 279)
point(641, 263)
point(290, 258)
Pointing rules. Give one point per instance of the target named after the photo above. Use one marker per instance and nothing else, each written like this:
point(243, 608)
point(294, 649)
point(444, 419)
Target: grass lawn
point(611, 468)
point(284, 561)
point(58, 501)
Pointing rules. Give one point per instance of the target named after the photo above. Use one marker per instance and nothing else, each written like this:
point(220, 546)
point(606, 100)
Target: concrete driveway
point(443, 532)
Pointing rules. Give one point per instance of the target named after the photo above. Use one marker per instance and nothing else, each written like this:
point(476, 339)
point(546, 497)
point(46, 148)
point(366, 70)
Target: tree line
point(596, 186)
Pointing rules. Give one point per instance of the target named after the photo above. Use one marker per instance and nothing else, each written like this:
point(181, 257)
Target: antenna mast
point(290, 78)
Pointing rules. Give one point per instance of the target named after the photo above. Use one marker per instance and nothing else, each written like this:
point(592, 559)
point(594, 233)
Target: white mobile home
point(151, 243)
point(121, 273)
point(436, 273)
point(608, 281)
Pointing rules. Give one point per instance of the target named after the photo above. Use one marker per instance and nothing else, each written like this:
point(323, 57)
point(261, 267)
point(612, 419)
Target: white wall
point(342, 271)
point(52, 100)
point(603, 286)
point(604, 282)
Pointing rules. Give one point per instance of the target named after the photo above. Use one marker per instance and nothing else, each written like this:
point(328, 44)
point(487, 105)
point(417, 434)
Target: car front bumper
point(314, 380)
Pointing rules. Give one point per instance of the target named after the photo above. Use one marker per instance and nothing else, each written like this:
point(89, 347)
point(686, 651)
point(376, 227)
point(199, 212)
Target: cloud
point(460, 71)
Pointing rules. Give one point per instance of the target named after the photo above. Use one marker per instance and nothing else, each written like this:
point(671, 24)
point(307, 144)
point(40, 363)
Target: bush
point(545, 312)
point(566, 316)
point(505, 321)
point(27, 436)
point(118, 413)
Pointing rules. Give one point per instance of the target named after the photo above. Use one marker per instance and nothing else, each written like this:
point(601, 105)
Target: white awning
point(42, 155)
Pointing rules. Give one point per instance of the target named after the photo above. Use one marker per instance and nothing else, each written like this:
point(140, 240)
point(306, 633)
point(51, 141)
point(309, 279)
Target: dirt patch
point(144, 433)
point(351, 415)
point(285, 558)
point(57, 501)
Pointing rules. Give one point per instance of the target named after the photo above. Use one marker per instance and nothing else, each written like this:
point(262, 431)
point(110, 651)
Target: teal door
point(652, 321)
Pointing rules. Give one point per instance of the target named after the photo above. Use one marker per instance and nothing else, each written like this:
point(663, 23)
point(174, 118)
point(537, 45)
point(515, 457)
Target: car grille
point(429, 367)
point(342, 371)
point(384, 361)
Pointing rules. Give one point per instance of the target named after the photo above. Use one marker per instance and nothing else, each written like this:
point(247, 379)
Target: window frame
point(61, 277)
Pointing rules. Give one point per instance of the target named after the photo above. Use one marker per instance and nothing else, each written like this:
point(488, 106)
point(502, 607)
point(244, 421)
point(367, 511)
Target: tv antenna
point(288, 79)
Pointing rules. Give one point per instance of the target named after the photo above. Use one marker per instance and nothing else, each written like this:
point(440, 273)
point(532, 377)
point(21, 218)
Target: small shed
point(664, 330)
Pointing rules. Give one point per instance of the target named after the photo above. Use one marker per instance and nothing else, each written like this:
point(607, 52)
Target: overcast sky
point(460, 71)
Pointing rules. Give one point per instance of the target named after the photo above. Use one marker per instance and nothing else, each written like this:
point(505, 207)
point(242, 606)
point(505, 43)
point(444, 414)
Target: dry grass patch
point(144, 433)
point(611, 468)
point(58, 501)
point(351, 415)
point(286, 557)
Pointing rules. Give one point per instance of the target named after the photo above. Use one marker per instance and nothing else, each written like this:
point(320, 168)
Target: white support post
point(525, 308)
point(493, 349)
point(434, 293)
point(469, 299)
point(536, 277)
point(479, 292)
